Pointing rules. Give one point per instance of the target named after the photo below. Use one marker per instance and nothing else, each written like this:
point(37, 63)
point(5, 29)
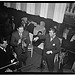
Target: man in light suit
point(20, 41)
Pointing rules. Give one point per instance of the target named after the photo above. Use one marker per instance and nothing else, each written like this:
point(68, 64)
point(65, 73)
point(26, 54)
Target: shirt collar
point(52, 38)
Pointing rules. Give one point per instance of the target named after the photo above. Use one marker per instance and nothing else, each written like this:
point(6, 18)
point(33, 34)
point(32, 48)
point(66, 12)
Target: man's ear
point(17, 29)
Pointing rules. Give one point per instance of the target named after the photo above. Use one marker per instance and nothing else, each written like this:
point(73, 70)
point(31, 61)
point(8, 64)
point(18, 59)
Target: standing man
point(24, 22)
point(20, 41)
point(51, 48)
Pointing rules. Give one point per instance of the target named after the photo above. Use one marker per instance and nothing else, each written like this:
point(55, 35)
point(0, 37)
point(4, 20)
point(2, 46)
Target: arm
point(44, 32)
point(13, 41)
point(35, 24)
point(28, 38)
point(42, 36)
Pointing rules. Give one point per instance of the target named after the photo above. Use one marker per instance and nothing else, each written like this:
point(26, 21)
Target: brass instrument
point(23, 44)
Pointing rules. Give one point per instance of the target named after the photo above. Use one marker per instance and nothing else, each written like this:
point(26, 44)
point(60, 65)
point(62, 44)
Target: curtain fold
point(59, 12)
point(31, 8)
point(43, 10)
point(18, 6)
point(53, 11)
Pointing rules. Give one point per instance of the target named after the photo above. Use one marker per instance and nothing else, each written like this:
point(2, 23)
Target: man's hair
point(53, 29)
point(24, 18)
point(2, 39)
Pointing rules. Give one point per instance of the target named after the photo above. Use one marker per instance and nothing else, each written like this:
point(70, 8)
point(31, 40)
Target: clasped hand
point(49, 52)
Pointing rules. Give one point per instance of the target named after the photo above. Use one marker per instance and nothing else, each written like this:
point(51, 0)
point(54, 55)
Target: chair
point(58, 59)
point(30, 47)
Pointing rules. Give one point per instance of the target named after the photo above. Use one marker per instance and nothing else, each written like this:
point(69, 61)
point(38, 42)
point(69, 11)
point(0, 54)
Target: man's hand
point(49, 52)
point(19, 41)
point(35, 39)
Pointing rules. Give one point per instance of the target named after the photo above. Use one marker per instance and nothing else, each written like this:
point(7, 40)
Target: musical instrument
point(9, 65)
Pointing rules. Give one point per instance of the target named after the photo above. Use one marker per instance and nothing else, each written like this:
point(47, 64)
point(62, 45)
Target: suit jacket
point(53, 45)
point(4, 59)
point(14, 40)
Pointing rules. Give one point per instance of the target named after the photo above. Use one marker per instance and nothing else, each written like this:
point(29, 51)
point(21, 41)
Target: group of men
point(20, 41)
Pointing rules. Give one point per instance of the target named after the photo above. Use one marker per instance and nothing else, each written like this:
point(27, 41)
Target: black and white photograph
point(37, 37)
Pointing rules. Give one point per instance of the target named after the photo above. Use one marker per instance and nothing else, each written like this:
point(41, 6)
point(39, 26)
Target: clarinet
point(24, 45)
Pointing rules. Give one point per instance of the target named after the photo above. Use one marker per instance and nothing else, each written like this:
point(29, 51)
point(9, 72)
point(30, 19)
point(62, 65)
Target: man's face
point(24, 20)
point(23, 23)
point(20, 29)
point(51, 33)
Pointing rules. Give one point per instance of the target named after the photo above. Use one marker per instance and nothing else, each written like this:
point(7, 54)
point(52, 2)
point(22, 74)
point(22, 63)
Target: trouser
point(50, 62)
point(71, 57)
point(22, 58)
point(52, 67)
point(56, 65)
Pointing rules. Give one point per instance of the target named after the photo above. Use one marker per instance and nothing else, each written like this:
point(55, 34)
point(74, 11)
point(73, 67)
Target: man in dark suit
point(51, 48)
point(20, 41)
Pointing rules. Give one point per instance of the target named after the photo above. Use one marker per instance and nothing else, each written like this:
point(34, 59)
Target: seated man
point(4, 58)
point(40, 27)
point(38, 46)
point(36, 42)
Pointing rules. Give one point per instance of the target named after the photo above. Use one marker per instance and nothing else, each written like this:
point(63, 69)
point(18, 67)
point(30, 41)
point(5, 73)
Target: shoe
point(24, 63)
